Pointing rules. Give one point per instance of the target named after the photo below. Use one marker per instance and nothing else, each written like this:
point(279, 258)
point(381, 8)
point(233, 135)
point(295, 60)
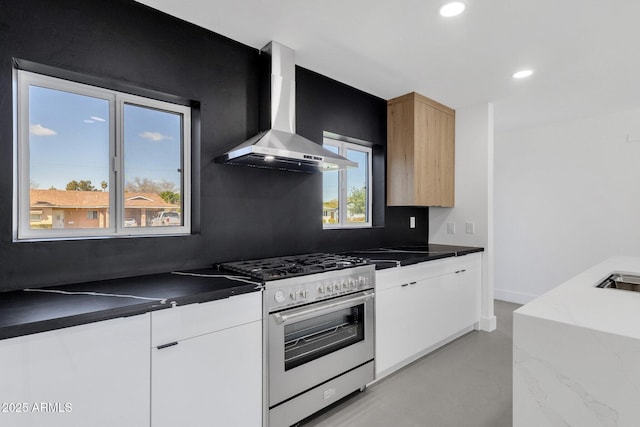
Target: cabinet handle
point(460, 271)
point(171, 344)
point(412, 283)
point(404, 285)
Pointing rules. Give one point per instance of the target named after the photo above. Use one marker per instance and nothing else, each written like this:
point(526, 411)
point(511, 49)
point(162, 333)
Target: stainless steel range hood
point(280, 147)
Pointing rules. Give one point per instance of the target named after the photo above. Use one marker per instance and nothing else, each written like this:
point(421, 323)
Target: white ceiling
point(585, 53)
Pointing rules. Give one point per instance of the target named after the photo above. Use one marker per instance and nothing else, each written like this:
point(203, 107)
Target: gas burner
point(291, 266)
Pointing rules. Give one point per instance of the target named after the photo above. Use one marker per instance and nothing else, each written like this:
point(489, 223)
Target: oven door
point(312, 344)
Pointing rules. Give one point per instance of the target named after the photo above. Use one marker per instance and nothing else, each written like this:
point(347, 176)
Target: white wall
point(567, 196)
point(474, 197)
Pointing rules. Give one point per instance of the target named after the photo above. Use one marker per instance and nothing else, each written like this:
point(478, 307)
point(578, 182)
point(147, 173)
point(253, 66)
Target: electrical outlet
point(471, 227)
point(451, 228)
point(412, 222)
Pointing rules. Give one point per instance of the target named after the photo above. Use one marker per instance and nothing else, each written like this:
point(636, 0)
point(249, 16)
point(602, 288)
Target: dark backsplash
point(242, 212)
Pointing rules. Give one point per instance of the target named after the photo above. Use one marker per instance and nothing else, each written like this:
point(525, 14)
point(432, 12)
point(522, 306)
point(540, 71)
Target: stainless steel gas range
point(318, 331)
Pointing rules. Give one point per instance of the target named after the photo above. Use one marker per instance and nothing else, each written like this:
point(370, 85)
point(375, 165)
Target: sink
point(627, 282)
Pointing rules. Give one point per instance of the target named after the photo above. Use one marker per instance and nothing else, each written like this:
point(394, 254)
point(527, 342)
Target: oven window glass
point(313, 338)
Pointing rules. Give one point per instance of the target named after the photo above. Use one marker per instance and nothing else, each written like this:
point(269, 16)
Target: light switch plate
point(412, 222)
point(471, 227)
point(451, 228)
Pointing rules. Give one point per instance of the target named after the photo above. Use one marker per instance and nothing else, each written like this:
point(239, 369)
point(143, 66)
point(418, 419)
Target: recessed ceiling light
point(522, 74)
point(453, 8)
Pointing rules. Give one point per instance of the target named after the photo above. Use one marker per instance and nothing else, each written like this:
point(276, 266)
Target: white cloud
point(154, 136)
point(98, 119)
point(89, 121)
point(40, 130)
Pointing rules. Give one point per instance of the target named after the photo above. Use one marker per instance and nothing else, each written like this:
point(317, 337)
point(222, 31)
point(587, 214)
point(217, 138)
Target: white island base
point(576, 353)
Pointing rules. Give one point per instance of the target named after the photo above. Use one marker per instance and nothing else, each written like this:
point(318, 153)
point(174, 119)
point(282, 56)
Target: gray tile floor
point(466, 383)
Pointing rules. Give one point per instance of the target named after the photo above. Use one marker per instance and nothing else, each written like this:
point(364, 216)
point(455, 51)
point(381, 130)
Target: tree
point(170, 197)
point(145, 185)
point(330, 203)
point(104, 185)
point(357, 201)
point(80, 186)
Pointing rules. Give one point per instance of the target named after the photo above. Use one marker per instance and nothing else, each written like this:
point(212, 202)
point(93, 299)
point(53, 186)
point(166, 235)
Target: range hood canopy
point(280, 147)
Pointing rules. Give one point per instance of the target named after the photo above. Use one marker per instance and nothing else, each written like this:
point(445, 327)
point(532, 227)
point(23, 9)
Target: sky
point(69, 140)
point(356, 177)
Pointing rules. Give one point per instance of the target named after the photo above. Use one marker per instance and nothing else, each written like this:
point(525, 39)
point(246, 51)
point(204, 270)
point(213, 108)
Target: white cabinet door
point(393, 328)
point(424, 306)
point(210, 379)
point(429, 324)
point(408, 321)
point(90, 375)
point(460, 295)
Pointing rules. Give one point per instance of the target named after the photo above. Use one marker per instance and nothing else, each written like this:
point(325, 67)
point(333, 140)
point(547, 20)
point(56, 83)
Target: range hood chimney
point(280, 147)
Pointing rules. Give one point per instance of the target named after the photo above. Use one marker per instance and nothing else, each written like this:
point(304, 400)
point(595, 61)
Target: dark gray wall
point(243, 212)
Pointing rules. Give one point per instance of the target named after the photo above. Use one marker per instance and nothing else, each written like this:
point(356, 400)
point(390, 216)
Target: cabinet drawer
point(451, 265)
point(188, 321)
point(394, 277)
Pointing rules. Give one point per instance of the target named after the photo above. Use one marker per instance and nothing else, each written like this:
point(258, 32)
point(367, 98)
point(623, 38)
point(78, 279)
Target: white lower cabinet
point(460, 293)
point(207, 364)
point(90, 375)
point(423, 306)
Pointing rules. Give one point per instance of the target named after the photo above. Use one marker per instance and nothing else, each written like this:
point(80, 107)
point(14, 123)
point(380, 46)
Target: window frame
point(22, 230)
point(343, 144)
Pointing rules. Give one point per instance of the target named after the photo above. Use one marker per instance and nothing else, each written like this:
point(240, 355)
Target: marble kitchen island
point(576, 353)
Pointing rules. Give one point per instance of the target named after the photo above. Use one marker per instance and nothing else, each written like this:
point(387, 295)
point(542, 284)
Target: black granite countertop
point(36, 310)
point(30, 311)
point(398, 256)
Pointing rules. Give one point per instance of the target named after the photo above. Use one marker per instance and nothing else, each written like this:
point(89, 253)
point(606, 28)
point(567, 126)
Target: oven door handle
point(283, 318)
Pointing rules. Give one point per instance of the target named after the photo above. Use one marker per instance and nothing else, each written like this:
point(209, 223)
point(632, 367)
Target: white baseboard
point(487, 324)
point(512, 296)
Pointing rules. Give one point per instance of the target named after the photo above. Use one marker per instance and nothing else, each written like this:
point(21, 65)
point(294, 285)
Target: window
point(346, 198)
point(97, 162)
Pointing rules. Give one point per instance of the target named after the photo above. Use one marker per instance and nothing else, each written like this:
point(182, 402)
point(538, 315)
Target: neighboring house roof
point(147, 200)
point(94, 199)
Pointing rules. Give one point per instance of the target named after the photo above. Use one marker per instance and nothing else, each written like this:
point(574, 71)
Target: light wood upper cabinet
point(420, 152)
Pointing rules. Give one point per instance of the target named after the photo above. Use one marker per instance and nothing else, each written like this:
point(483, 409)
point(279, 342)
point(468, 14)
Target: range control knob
point(362, 280)
point(303, 293)
point(321, 289)
point(293, 295)
point(279, 296)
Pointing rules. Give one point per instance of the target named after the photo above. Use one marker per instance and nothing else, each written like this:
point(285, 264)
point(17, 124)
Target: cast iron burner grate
point(290, 266)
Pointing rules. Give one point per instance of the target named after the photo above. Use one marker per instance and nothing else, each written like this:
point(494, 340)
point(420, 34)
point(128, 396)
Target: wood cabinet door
point(434, 156)
point(400, 153)
point(420, 152)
